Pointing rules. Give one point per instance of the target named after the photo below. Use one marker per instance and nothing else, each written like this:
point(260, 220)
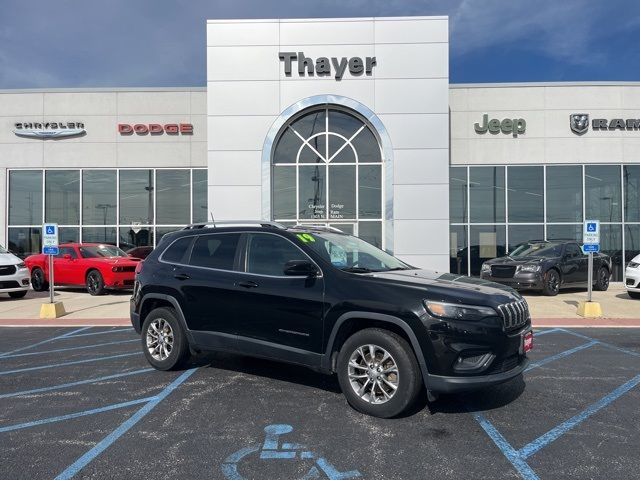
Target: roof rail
point(312, 226)
point(234, 223)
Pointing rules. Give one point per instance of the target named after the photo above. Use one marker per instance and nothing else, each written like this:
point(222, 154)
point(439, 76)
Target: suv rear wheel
point(378, 373)
point(163, 341)
point(602, 279)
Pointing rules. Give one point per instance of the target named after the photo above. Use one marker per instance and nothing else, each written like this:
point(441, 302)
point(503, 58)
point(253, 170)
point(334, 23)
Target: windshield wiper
point(357, 270)
point(396, 268)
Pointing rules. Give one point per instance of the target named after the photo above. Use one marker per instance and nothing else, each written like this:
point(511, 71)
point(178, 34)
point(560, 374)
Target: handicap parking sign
point(50, 230)
point(591, 227)
point(50, 239)
point(591, 232)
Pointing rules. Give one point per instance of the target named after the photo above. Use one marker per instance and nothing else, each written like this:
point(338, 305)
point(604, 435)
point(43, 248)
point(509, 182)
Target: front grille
point(514, 314)
point(502, 271)
point(630, 281)
point(9, 284)
point(128, 269)
point(7, 270)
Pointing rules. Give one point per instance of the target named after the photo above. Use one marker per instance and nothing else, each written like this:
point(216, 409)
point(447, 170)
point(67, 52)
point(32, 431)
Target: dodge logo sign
point(579, 122)
point(155, 128)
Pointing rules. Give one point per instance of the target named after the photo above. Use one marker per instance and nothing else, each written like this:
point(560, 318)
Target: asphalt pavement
point(83, 403)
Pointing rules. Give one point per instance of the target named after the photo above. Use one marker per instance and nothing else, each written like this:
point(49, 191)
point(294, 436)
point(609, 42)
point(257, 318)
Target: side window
point(267, 254)
point(178, 250)
point(574, 251)
point(66, 251)
point(215, 251)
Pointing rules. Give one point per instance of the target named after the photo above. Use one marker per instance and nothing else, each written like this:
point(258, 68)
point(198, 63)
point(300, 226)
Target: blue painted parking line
point(103, 332)
point(69, 416)
point(564, 427)
point(59, 337)
point(105, 443)
point(75, 362)
point(537, 333)
point(557, 356)
point(62, 386)
point(68, 349)
point(604, 344)
point(505, 447)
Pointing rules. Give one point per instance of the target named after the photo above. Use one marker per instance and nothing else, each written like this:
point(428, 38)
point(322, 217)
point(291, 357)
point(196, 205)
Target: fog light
point(473, 363)
point(25, 281)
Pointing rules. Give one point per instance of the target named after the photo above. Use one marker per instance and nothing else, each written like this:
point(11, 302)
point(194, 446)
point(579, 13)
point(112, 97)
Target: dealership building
point(350, 123)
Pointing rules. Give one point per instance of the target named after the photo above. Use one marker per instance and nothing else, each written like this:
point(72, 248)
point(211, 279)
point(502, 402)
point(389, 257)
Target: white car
point(633, 277)
point(14, 275)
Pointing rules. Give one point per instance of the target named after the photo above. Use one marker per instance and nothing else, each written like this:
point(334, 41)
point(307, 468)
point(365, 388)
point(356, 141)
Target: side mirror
point(67, 256)
point(300, 268)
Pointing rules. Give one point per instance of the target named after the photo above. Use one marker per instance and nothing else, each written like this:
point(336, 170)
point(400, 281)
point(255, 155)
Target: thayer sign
point(324, 66)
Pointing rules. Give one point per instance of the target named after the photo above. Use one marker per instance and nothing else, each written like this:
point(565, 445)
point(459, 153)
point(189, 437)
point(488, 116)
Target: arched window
point(328, 169)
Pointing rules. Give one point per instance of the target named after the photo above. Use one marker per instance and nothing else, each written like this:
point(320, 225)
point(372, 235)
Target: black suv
point(548, 266)
point(316, 297)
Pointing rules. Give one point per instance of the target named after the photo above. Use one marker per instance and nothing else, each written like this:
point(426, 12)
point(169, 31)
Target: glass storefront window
point(99, 197)
point(312, 192)
point(136, 197)
point(99, 235)
point(136, 236)
point(631, 242)
point(200, 211)
point(611, 244)
point(602, 193)
point(25, 241)
point(458, 194)
point(565, 232)
point(458, 251)
point(564, 194)
point(524, 233)
point(68, 234)
point(172, 197)
point(25, 197)
point(370, 191)
point(162, 231)
point(62, 197)
point(631, 179)
point(342, 195)
point(486, 190)
point(526, 194)
point(371, 232)
point(486, 242)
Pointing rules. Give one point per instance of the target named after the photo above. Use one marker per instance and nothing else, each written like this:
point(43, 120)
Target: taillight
point(139, 268)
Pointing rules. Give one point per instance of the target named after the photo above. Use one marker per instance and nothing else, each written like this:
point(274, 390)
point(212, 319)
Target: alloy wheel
point(553, 282)
point(36, 281)
point(373, 374)
point(159, 339)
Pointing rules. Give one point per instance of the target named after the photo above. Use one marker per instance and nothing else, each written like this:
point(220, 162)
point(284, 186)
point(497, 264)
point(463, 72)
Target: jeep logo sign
point(515, 126)
point(323, 66)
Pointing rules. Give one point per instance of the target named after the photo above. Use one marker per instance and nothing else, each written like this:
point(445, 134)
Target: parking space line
point(505, 447)
point(69, 416)
point(544, 332)
point(128, 329)
point(557, 356)
point(564, 427)
point(73, 384)
point(75, 362)
point(604, 344)
point(83, 347)
point(59, 337)
point(105, 443)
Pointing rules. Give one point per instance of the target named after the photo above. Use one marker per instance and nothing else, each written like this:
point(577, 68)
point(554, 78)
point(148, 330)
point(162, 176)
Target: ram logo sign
point(579, 122)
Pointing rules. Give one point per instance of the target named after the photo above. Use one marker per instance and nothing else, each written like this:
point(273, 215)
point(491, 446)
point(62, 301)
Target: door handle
point(181, 276)
point(248, 284)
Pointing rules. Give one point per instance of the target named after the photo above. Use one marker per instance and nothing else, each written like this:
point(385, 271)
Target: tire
point(635, 295)
point(95, 283)
point(38, 283)
point(18, 294)
point(602, 279)
point(551, 283)
point(166, 321)
point(386, 401)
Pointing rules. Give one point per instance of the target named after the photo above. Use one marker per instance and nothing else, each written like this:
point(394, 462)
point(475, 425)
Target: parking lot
point(83, 403)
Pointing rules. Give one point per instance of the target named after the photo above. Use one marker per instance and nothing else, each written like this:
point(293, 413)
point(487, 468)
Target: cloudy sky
point(120, 43)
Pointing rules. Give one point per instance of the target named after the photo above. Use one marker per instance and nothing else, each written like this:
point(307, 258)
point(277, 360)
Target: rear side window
point(573, 250)
point(177, 251)
point(215, 251)
point(268, 254)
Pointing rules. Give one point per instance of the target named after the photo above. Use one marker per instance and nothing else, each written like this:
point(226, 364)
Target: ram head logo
point(579, 123)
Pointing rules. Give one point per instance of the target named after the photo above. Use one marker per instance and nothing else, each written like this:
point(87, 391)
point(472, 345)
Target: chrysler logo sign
point(579, 123)
point(49, 130)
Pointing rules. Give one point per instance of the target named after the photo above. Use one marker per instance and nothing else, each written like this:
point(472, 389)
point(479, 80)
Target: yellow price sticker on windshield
point(306, 237)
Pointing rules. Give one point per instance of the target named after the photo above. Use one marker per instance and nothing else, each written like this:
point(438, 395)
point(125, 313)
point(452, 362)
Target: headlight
point(21, 265)
point(529, 268)
point(458, 312)
point(486, 267)
point(633, 265)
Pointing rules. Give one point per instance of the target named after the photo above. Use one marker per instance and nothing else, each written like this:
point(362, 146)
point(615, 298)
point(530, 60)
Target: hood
point(517, 261)
point(9, 259)
point(117, 260)
point(452, 288)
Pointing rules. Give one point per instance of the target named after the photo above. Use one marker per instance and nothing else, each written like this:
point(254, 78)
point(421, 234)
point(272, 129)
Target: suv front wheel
point(378, 373)
point(163, 340)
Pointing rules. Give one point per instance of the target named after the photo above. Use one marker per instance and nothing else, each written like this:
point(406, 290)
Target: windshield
point(351, 254)
point(538, 249)
point(98, 251)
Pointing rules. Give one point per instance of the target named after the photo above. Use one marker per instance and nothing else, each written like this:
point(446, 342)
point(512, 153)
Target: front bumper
point(120, 280)
point(16, 282)
point(442, 384)
point(520, 281)
point(633, 279)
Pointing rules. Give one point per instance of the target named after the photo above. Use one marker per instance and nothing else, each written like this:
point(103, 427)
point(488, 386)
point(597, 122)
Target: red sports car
point(98, 266)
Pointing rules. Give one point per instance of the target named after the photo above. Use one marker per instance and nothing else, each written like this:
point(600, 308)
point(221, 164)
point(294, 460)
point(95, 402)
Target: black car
point(316, 297)
point(547, 266)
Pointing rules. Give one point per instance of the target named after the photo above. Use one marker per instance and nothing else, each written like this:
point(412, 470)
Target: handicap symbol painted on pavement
point(591, 227)
point(273, 450)
point(51, 230)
